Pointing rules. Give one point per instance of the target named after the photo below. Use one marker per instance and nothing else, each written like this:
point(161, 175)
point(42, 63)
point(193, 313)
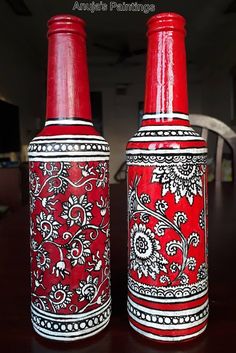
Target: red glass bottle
point(167, 191)
point(69, 198)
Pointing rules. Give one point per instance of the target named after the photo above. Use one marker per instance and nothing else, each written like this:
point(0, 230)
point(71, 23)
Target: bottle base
point(70, 327)
point(168, 339)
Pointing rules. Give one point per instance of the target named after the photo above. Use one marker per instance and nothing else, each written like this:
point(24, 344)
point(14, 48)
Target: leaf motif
point(161, 206)
point(180, 218)
point(173, 246)
point(184, 279)
point(174, 267)
point(164, 279)
point(194, 239)
point(145, 198)
point(191, 263)
point(160, 228)
point(144, 218)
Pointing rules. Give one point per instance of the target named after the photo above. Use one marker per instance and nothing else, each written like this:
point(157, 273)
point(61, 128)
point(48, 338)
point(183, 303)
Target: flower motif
point(106, 254)
point(33, 244)
point(104, 205)
point(37, 281)
point(144, 255)
point(43, 260)
point(202, 219)
point(202, 272)
point(77, 210)
point(32, 201)
point(47, 226)
point(132, 201)
point(48, 203)
point(60, 269)
point(96, 265)
point(180, 180)
point(88, 289)
point(60, 296)
point(102, 170)
point(79, 250)
point(102, 298)
point(48, 168)
point(86, 171)
point(34, 182)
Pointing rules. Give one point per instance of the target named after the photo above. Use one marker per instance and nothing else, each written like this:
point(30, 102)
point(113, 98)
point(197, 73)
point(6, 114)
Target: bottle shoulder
point(68, 142)
point(163, 134)
point(80, 133)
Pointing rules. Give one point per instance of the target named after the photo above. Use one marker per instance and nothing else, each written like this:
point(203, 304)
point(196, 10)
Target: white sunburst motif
point(180, 180)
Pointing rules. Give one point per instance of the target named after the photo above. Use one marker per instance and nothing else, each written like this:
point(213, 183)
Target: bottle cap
point(167, 21)
point(66, 24)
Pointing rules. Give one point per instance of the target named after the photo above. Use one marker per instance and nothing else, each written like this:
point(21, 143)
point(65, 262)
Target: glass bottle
point(167, 193)
point(69, 198)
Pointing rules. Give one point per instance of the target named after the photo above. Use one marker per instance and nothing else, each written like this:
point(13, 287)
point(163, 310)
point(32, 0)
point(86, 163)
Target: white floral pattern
point(79, 250)
point(43, 260)
point(202, 219)
point(144, 252)
point(146, 210)
point(47, 226)
point(60, 269)
point(180, 180)
point(202, 272)
point(34, 181)
point(60, 296)
point(103, 205)
point(57, 185)
point(77, 210)
point(88, 289)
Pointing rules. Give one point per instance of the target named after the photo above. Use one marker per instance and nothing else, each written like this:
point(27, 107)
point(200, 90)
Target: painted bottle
point(69, 198)
point(167, 193)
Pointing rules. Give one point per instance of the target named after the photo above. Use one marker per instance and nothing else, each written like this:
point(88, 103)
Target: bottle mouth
point(167, 21)
point(66, 24)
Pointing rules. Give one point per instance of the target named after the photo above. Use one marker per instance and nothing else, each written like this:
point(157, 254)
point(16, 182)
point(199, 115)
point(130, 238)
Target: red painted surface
point(67, 84)
point(167, 191)
point(166, 84)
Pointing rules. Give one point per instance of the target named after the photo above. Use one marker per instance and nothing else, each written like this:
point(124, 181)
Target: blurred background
point(116, 57)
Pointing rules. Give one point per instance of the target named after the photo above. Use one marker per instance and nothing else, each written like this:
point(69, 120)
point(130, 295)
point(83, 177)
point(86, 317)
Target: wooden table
point(16, 334)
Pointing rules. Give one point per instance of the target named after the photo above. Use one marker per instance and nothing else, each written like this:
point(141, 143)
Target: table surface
point(16, 333)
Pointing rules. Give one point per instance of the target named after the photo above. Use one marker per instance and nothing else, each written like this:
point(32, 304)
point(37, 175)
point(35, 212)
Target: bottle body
point(167, 202)
point(69, 199)
point(167, 281)
point(69, 205)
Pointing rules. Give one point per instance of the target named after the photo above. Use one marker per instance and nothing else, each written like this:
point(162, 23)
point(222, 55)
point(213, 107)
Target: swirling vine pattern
point(139, 209)
point(73, 244)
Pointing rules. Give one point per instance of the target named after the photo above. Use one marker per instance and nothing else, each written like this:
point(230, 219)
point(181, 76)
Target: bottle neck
point(68, 94)
point(166, 99)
